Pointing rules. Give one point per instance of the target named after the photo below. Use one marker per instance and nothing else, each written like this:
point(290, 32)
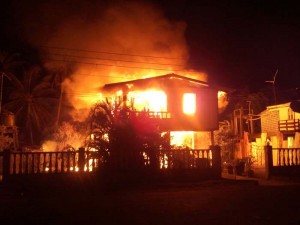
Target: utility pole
point(250, 121)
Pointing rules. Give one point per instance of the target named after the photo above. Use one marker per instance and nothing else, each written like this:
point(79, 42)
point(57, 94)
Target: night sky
point(237, 43)
point(243, 42)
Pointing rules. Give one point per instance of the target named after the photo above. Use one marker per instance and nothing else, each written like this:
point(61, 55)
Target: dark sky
point(236, 43)
point(243, 42)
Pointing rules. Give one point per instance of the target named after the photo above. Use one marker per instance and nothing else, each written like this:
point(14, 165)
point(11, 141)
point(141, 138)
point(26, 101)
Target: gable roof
point(294, 105)
point(146, 82)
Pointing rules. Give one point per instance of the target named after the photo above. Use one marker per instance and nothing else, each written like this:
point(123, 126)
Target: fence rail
point(282, 161)
point(62, 162)
point(39, 162)
point(286, 156)
point(150, 114)
point(198, 158)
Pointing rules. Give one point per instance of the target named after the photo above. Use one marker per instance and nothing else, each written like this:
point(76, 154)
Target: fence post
point(216, 160)
point(81, 159)
point(6, 164)
point(268, 161)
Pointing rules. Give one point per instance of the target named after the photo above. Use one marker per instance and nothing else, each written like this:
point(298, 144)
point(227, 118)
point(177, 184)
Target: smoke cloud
point(110, 41)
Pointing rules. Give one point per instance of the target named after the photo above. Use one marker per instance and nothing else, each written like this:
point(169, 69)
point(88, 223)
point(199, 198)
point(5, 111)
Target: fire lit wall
point(205, 117)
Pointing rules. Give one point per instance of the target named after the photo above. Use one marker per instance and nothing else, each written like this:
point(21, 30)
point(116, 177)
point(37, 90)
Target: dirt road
point(209, 202)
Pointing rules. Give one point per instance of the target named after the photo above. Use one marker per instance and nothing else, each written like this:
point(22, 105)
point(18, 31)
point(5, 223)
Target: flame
point(116, 42)
point(149, 100)
point(222, 101)
point(49, 146)
point(189, 103)
point(190, 139)
point(182, 139)
point(115, 47)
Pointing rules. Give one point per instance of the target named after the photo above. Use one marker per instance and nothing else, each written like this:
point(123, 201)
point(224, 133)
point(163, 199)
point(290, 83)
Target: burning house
point(186, 108)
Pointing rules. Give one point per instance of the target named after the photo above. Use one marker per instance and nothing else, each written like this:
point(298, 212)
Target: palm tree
point(123, 137)
point(9, 63)
point(33, 102)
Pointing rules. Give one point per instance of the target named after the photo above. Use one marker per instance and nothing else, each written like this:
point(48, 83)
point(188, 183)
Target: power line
point(103, 64)
point(117, 60)
point(109, 53)
point(112, 77)
point(101, 75)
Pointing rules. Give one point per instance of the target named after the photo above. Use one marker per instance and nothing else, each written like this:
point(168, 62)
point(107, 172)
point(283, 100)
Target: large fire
point(149, 100)
point(120, 46)
point(189, 103)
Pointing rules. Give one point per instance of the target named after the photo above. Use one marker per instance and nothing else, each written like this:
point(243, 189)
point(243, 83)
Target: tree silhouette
point(10, 63)
point(126, 139)
point(33, 102)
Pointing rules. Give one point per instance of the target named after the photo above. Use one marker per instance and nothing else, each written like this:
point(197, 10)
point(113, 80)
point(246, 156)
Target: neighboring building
point(281, 124)
point(185, 107)
point(280, 127)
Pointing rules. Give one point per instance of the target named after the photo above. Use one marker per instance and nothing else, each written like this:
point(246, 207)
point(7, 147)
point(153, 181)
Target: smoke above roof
point(110, 41)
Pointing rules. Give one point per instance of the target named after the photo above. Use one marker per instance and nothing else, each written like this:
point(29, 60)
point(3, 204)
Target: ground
point(230, 200)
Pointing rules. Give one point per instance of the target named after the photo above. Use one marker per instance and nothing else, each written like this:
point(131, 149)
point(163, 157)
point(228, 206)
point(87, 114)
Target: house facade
point(184, 107)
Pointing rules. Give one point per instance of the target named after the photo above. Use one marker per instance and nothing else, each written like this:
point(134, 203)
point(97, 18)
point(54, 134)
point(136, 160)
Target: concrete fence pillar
point(216, 160)
point(268, 161)
point(6, 164)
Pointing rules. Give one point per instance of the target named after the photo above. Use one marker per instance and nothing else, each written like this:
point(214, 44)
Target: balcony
point(289, 125)
point(150, 114)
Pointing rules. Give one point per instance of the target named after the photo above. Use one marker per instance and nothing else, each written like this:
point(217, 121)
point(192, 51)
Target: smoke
point(105, 42)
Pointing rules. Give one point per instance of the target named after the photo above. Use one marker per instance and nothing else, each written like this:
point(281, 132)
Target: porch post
point(6, 164)
point(216, 160)
point(268, 161)
point(81, 159)
point(212, 139)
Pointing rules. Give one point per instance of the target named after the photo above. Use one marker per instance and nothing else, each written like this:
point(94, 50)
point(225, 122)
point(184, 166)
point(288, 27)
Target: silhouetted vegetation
point(124, 138)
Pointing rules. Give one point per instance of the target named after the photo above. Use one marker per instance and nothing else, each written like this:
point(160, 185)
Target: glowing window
point(189, 103)
point(152, 100)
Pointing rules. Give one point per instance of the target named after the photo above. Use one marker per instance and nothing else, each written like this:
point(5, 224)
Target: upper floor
point(174, 101)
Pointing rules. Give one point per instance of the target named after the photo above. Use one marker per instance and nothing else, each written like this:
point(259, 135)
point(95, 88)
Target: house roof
point(294, 105)
point(144, 82)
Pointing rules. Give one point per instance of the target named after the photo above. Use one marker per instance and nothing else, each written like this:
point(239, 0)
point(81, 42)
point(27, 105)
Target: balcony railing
point(289, 125)
point(151, 114)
